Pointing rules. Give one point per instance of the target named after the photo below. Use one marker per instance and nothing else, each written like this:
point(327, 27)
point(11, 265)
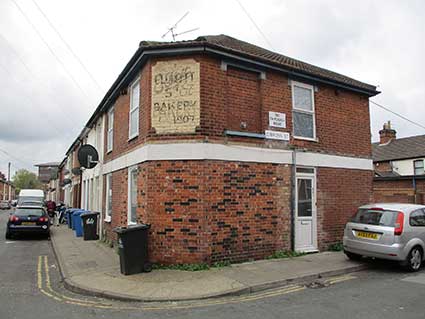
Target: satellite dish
point(66, 181)
point(88, 156)
point(76, 171)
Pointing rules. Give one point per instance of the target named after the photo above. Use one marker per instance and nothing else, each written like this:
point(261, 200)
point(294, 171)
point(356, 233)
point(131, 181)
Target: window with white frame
point(108, 204)
point(132, 195)
point(418, 166)
point(133, 126)
point(110, 132)
point(303, 118)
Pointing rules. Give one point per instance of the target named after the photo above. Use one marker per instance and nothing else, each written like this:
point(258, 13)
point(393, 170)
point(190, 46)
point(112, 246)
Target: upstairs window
point(418, 166)
point(303, 118)
point(110, 132)
point(133, 126)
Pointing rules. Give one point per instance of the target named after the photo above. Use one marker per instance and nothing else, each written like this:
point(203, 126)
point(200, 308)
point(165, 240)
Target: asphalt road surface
point(30, 287)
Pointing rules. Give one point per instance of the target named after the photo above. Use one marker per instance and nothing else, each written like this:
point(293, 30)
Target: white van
point(31, 197)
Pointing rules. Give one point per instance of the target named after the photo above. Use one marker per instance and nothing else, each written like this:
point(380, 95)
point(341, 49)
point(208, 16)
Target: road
point(31, 288)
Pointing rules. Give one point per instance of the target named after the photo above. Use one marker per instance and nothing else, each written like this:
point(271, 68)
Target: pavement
point(92, 268)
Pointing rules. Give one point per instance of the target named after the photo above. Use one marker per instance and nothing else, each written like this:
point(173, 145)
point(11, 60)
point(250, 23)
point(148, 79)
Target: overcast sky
point(44, 107)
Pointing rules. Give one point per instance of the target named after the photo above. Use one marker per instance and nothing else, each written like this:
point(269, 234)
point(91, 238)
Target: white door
point(305, 214)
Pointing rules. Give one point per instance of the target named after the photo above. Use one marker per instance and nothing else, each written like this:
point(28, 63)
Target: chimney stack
point(387, 133)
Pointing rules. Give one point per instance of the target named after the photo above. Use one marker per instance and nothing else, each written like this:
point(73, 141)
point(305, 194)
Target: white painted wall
point(405, 167)
point(91, 198)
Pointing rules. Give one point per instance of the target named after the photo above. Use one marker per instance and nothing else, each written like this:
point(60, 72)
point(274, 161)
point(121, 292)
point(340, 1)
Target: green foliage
point(193, 267)
point(24, 179)
point(285, 254)
point(221, 264)
point(185, 267)
point(336, 247)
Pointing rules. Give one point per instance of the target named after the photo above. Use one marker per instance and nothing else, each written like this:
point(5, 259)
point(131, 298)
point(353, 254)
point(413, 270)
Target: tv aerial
point(173, 28)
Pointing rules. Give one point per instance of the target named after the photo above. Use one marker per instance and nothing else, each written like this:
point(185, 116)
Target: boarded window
point(243, 101)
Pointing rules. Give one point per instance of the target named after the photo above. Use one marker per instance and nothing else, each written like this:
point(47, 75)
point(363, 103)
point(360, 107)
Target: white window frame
point(418, 167)
point(110, 129)
point(133, 109)
point(295, 109)
point(108, 215)
point(130, 170)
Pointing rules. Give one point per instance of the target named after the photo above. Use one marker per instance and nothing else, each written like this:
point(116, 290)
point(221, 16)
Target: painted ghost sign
point(175, 96)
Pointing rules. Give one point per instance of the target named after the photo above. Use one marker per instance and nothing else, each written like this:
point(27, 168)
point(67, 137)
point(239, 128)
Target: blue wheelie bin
point(68, 214)
point(77, 222)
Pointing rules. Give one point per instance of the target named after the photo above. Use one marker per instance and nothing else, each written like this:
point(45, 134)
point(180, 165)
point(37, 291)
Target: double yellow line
point(45, 287)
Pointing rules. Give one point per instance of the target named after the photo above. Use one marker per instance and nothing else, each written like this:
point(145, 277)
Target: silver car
point(387, 231)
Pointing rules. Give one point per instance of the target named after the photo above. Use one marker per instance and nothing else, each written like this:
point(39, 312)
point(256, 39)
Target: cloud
point(43, 109)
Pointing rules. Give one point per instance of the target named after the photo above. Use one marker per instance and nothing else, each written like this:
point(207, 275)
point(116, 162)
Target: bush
point(336, 247)
point(285, 254)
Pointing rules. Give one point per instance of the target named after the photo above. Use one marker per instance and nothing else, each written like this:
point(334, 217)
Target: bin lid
point(79, 212)
point(130, 228)
point(84, 214)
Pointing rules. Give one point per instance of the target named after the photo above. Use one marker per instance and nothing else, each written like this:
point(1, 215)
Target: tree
point(24, 179)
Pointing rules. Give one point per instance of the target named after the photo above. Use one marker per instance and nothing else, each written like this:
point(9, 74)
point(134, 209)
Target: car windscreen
point(29, 212)
point(27, 199)
point(375, 217)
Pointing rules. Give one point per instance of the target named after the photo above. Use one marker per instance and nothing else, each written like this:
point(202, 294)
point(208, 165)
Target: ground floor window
point(108, 203)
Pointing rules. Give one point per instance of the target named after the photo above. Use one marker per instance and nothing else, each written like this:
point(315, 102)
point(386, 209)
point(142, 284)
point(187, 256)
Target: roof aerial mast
point(173, 28)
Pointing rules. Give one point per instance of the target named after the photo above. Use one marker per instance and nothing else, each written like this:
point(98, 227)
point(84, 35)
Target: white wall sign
point(275, 135)
point(277, 119)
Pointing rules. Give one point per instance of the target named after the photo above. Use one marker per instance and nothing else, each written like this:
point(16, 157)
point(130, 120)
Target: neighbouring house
point(7, 189)
point(46, 171)
point(399, 167)
point(229, 151)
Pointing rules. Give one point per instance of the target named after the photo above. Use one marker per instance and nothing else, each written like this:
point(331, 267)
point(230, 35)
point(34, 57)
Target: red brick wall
point(206, 211)
point(243, 101)
point(229, 97)
point(382, 167)
point(401, 191)
point(339, 193)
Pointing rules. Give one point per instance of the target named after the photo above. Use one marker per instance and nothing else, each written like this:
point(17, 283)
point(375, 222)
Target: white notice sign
point(277, 119)
point(275, 135)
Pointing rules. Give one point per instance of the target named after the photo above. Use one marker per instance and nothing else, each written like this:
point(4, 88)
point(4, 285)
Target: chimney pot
point(387, 133)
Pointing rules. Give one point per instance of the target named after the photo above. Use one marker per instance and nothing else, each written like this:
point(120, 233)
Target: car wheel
point(414, 259)
point(352, 256)
point(8, 235)
point(147, 267)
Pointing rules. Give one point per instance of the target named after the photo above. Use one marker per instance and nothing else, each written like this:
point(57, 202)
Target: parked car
point(29, 219)
point(387, 231)
point(4, 204)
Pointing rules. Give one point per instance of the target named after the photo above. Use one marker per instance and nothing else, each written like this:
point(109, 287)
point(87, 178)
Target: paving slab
point(90, 267)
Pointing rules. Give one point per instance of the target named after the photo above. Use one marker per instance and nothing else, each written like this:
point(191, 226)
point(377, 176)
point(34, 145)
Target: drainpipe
point(293, 190)
point(414, 188)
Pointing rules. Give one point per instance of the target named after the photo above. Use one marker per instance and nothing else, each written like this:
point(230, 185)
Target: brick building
point(232, 152)
point(399, 167)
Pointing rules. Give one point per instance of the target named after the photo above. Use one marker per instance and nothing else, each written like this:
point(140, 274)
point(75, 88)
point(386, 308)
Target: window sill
point(316, 140)
point(244, 134)
point(130, 138)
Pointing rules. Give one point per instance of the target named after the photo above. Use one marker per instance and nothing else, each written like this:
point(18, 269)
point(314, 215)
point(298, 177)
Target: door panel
point(305, 214)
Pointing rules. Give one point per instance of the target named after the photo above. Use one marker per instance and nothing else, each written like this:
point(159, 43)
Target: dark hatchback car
point(28, 220)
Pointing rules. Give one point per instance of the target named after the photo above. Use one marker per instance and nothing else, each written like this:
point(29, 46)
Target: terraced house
point(232, 152)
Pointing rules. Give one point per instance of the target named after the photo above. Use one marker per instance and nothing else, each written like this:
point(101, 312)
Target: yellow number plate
point(367, 235)
point(27, 223)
